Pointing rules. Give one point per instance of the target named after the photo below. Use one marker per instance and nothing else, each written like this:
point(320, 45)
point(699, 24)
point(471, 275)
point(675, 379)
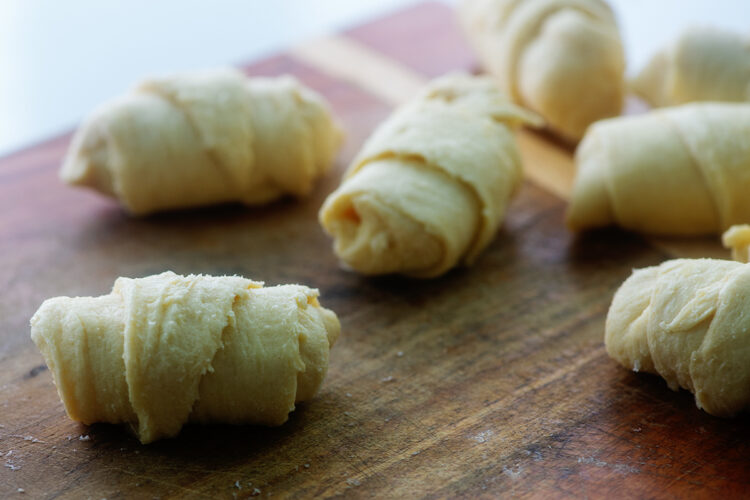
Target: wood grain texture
point(491, 381)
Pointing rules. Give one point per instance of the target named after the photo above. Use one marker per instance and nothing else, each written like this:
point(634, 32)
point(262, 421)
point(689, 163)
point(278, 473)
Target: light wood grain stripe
point(545, 164)
point(351, 61)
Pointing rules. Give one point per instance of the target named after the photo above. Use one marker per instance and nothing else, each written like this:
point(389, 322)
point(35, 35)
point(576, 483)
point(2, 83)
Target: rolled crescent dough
point(561, 58)
point(678, 171)
point(203, 138)
point(430, 187)
point(163, 350)
point(703, 64)
point(687, 320)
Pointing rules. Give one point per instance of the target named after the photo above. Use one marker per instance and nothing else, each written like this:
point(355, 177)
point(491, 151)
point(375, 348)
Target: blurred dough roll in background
point(677, 171)
point(561, 58)
point(163, 350)
point(430, 187)
point(703, 64)
point(737, 238)
point(203, 138)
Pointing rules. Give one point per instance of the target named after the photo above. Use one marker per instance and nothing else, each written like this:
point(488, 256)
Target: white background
point(59, 59)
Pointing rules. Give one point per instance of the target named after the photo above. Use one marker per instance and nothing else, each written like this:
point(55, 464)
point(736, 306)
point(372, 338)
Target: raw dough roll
point(687, 320)
point(203, 138)
point(704, 64)
point(561, 58)
point(737, 238)
point(678, 171)
point(430, 187)
point(160, 351)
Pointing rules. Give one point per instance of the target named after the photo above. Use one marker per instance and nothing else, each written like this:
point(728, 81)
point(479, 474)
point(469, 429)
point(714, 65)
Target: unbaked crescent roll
point(561, 58)
point(687, 320)
point(737, 238)
point(430, 187)
point(163, 350)
point(677, 171)
point(210, 137)
point(703, 64)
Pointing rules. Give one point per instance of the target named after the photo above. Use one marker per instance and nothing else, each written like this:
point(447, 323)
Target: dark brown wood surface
point(490, 381)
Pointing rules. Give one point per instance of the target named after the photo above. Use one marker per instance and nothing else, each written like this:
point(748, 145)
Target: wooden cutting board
point(489, 381)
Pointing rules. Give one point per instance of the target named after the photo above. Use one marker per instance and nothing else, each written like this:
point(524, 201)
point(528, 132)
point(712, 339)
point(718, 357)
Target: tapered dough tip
point(45, 314)
point(331, 324)
point(625, 342)
point(649, 82)
point(80, 171)
point(86, 161)
point(589, 206)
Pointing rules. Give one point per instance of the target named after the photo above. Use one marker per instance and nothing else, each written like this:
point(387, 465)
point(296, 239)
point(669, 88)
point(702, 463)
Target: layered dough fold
point(687, 320)
point(678, 171)
point(561, 58)
point(163, 350)
point(203, 138)
point(703, 64)
point(430, 187)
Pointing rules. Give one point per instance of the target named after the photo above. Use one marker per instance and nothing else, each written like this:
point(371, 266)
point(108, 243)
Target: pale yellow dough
point(703, 64)
point(430, 187)
point(737, 238)
point(203, 138)
point(687, 320)
point(160, 351)
point(673, 171)
point(561, 58)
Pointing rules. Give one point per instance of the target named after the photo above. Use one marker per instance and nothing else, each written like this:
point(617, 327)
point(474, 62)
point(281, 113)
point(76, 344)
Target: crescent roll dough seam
point(418, 161)
point(389, 209)
point(209, 151)
point(403, 214)
point(697, 167)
